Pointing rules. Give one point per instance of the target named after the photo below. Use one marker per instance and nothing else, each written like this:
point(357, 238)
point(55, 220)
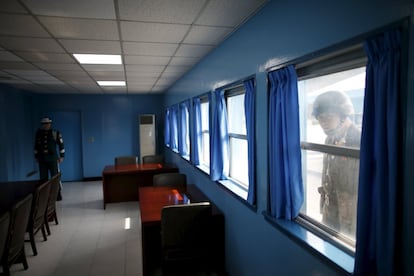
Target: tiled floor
point(88, 239)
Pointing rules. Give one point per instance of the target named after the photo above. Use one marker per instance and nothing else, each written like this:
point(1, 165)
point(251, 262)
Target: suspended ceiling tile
point(145, 68)
point(107, 75)
point(171, 11)
point(21, 25)
point(7, 56)
point(11, 6)
point(9, 66)
point(30, 44)
point(149, 49)
point(165, 81)
point(81, 28)
point(206, 35)
point(46, 57)
point(64, 74)
point(153, 32)
point(59, 66)
point(188, 50)
point(29, 73)
point(142, 82)
point(229, 13)
point(73, 8)
point(103, 67)
point(138, 75)
point(91, 46)
point(146, 60)
point(14, 81)
point(184, 61)
point(159, 88)
point(114, 90)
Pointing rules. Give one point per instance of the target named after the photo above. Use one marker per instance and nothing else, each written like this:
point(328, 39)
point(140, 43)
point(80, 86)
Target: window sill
point(204, 168)
point(332, 254)
point(235, 188)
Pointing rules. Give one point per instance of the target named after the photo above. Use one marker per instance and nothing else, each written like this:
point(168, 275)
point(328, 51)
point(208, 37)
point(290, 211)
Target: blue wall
point(109, 127)
point(283, 31)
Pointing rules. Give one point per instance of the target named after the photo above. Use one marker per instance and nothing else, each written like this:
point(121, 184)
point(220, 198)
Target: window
point(184, 142)
point(331, 97)
point(238, 165)
point(205, 138)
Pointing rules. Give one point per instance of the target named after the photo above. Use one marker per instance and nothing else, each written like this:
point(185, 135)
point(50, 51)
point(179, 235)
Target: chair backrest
point(39, 205)
point(19, 219)
point(170, 179)
point(4, 230)
point(186, 227)
point(53, 194)
point(126, 160)
point(153, 159)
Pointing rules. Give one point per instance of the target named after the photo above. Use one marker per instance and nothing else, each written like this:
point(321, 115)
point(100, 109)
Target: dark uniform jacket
point(48, 145)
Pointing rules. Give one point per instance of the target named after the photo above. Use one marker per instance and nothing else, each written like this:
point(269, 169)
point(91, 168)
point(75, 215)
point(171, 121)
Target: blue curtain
point(167, 128)
point(380, 160)
point(196, 132)
point(250, 111)
point(219, 143)
point(183, 146)
point(174, 127)
point(286, 188)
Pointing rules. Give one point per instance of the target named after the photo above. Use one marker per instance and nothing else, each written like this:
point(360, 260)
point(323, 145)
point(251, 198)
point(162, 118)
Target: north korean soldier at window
point(49, 150)
point(339, 188)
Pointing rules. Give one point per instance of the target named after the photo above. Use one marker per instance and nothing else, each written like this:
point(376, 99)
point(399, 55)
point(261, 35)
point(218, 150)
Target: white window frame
point(205, 135)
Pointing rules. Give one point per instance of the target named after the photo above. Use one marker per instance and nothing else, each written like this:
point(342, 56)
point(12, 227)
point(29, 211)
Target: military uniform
point(339, 191)
point(46, 144)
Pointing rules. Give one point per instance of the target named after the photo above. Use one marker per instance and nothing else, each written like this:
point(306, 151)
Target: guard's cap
point(46, 120)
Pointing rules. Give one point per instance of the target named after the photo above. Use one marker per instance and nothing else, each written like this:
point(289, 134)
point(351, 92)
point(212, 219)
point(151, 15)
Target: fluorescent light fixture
point(127, 223)
point(111, 83)
point(98, 59)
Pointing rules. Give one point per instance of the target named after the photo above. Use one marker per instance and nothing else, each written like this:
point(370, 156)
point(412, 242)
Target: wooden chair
point(51, 214)
point(186, 239)
point(126, 160)
point(178, 180)
point(14, 249)
point(38, 214)
point(153, 159)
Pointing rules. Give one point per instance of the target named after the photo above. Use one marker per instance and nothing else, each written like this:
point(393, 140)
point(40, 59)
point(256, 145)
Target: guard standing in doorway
point(49, 150)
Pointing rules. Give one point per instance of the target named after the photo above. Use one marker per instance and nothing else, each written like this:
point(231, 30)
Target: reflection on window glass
point(331, 115)
point(205, 158)
point(238, 139)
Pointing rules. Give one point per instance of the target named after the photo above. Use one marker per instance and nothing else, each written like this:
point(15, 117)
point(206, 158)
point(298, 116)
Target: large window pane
point(236, 116)
point(331, 115)
point(238, 161)
point(205, 158)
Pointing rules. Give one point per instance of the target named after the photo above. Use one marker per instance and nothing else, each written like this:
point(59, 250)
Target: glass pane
point(238, 161)
point(204, 116)
point(236, 116)
point(205, 159)
point(331, 113)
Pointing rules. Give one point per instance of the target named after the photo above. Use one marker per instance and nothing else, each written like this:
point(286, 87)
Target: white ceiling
point(159, 40)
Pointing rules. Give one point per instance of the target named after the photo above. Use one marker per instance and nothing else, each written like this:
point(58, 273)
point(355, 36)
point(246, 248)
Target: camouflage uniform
point(339, 189)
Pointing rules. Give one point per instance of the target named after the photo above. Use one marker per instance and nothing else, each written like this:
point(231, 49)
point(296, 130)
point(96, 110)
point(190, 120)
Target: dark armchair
point(153, 159)
point(178, 180)
point(186, 239)
point(126, 160)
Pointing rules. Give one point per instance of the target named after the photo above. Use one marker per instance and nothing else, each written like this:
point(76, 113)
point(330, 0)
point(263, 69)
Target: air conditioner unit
point(147, 137)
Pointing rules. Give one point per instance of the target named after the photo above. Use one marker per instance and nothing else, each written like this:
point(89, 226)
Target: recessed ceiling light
point(98, 59)
point(111, 83)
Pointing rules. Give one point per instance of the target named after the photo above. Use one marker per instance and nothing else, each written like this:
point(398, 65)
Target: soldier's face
point(329, 122)
point(46, 126)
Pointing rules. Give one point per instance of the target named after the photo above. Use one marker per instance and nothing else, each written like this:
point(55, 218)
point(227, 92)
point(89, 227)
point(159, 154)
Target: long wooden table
point(151, 201)
point(120, 182)
point(13, 191)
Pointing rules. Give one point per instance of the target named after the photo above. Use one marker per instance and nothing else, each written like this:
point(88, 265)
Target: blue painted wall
point(283, 31)
point(109, 127)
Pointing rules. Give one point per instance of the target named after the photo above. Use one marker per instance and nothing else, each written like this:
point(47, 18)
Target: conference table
point(13, 191)
point(120, 183)
point(151, 202)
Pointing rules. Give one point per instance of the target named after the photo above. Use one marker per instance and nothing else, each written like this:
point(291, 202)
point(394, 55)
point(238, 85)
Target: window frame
point(203, 100)
point(345, 58)
point(235, 90)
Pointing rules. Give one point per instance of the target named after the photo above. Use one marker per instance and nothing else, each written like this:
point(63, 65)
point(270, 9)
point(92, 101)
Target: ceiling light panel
point(98, 59)
point(111, 83)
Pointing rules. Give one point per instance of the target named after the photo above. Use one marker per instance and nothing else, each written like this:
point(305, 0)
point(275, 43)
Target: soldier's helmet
point(333, 102)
